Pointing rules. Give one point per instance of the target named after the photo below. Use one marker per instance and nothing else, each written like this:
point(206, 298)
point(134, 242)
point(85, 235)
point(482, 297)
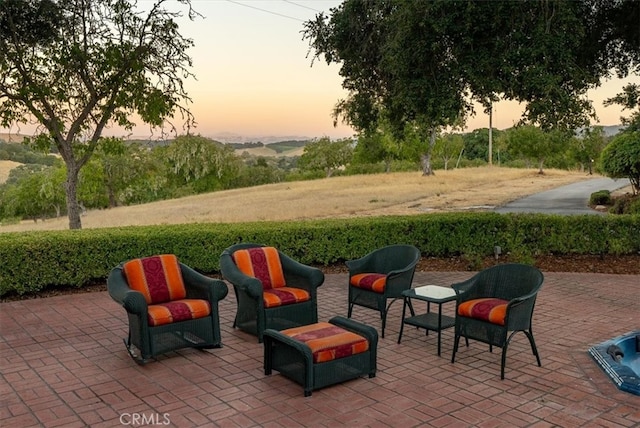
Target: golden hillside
point(336, 197)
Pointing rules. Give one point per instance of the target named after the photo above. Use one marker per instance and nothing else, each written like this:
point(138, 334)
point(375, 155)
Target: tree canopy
point(421, 63)
point(76, 68)
point(326, 155)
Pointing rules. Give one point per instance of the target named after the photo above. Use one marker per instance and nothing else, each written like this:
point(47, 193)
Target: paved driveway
point(569, 199)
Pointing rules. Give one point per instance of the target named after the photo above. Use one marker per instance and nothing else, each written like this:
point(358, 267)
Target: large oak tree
point(419, 64)
point(76, 67)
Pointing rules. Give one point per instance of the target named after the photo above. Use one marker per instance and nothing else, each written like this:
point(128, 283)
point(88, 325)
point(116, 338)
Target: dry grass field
point(337, 197)
point(266, 151)
point(5, 167)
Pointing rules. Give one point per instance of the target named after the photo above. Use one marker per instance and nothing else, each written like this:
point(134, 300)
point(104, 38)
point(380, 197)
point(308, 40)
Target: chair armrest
point(519, 312)
point(202, 287)
point(231, 273)
point(523, 303)
point(133, 301)
point(400, 272)
point(299, 275)
point(464, 289)
point(295, 344)
point(370, 333)
point(356, 266)
point(522, 299)
point(364, 264)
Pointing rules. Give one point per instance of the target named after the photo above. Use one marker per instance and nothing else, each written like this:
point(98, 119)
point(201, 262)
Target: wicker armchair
point(169, 305)
point(494, 302)
point(380, 275)
point(272, 290)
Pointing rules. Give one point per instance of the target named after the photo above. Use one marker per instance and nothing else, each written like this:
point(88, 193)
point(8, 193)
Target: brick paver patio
point(63, 364)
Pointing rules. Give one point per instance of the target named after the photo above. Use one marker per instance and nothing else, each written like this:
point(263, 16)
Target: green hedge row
point(35, 260)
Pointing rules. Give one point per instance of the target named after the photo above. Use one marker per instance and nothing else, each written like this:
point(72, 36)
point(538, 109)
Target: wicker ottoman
point(322, 354)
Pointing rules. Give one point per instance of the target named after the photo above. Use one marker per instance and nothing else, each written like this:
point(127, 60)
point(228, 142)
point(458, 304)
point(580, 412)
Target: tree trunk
point(112, 196)
point(491, 134)
point(71, 189)
point(540, 171)
point(425, 159)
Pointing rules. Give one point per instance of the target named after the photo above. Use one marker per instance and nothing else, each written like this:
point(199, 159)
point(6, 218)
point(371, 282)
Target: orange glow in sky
point(254, 78)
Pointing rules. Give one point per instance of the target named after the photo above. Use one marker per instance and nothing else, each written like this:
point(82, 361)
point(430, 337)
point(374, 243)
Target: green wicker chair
point(169, 305)
point(494, 302)
point(381, 275)
point(272, 290)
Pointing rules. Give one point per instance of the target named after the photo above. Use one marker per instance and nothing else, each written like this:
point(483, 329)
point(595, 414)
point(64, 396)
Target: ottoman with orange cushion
point(322, 354)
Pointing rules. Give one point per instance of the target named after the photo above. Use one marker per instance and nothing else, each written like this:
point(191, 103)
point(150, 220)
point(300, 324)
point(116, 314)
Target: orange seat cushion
point(284, 296)
point(158, 278)
point(179, 310)
point(376, 282)
point(262, 263)
point(328, 342)
point(488, 309)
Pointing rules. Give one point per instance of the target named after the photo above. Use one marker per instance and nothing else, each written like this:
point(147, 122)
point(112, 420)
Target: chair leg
point(503, 360)
point(413, 313)
point(350, 310)
point(135, 357)
point(383, 313)
point(534, 348)
point(268, 356)
point(456, 341)
point(504, 353)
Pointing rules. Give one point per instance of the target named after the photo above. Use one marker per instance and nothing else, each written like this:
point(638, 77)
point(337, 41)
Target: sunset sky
point(254, 78)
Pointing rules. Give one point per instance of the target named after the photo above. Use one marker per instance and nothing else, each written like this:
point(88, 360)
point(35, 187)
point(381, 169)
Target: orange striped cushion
point(327, 341)
point(158, 278)
point(370, 281)
point(486, 309)
point(179, 310)
point(262, 263)
point(284, 296)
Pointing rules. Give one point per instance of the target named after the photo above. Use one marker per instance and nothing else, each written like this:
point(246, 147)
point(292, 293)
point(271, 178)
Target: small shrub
point(601, 197)
point(626, 204)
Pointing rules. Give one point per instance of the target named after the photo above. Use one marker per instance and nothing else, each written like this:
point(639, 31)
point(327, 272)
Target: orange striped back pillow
point(262, 263)
point(158, 278)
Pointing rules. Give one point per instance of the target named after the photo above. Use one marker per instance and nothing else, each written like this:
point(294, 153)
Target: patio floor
point(63, 363)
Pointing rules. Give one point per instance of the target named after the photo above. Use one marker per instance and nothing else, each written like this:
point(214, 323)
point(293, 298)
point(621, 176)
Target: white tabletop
point(435, 291)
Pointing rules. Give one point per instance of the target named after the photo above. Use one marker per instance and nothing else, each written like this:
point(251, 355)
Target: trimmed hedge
point(35, 260)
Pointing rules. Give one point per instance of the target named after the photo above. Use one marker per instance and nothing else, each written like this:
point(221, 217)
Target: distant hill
point(12, 138)
point(279, 148)
point(228, 137)
point(287, 146)
point(611, 130)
